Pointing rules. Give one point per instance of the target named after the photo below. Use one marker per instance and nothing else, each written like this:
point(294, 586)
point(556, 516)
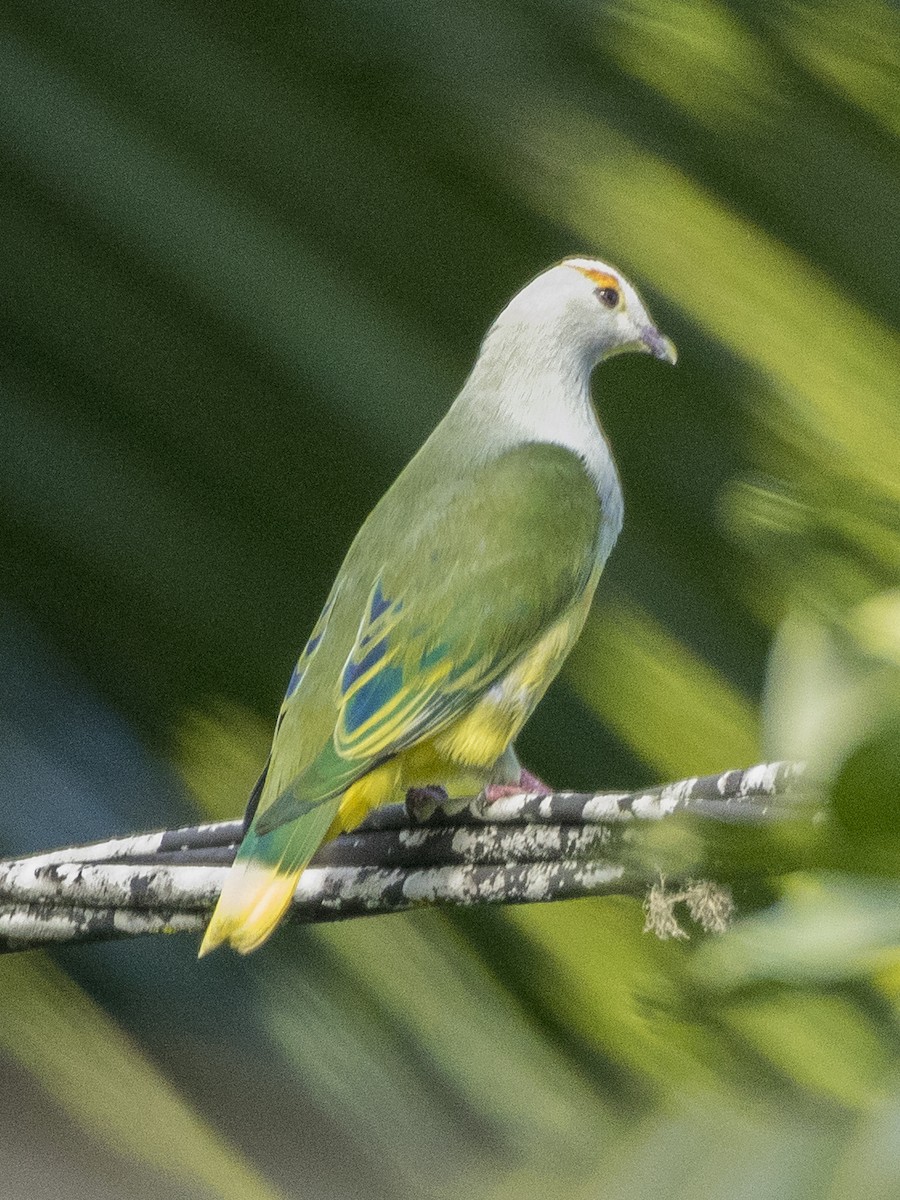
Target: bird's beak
point(659, 345)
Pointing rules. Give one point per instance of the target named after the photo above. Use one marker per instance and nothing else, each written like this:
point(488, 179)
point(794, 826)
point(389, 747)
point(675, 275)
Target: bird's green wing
point(448, 583)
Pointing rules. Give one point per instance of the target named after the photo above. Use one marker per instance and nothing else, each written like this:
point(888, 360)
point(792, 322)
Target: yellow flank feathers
point(481, 737)
point(378, 787)
point(254, 899)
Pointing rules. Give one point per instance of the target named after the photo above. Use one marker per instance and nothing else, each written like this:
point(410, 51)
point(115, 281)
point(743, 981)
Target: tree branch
point(518, 850)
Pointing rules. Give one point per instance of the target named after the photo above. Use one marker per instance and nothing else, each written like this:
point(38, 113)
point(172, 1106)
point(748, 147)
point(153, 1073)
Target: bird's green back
point(458, 570)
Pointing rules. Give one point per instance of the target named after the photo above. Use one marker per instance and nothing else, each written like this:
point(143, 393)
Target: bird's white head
point(584, 306)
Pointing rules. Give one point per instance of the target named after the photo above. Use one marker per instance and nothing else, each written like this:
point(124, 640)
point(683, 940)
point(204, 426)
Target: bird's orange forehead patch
point(601, 278)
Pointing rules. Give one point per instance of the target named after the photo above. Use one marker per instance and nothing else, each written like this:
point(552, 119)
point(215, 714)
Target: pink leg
point(527, 783)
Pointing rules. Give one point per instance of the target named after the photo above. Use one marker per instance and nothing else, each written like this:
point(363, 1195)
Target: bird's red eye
point(608, 296)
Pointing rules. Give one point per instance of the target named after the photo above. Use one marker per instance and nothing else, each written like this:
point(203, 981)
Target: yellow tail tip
point(253, 901)
point(212, 939)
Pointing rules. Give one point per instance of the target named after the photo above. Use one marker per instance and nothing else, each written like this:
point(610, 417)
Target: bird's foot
point(527, 783)
point(423, 802)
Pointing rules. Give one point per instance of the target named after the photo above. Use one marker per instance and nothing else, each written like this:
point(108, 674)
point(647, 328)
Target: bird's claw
point(423, 802)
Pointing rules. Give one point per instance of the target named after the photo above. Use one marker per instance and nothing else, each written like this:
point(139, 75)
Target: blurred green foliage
point(248, 253)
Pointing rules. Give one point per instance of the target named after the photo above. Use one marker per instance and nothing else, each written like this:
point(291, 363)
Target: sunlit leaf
point(675, 711)
point(108, 1086)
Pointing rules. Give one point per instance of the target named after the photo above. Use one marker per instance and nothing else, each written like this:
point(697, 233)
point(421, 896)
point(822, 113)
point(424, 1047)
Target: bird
point(459, 598)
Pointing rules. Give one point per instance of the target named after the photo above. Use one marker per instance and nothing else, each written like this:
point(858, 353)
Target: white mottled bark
point(520, 849)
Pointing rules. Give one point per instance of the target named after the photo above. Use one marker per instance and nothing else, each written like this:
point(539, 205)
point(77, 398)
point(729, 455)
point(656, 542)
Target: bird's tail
point(261, 884)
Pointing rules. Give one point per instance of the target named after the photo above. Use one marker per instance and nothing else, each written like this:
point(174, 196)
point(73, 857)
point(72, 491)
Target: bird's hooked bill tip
point(660, 346)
